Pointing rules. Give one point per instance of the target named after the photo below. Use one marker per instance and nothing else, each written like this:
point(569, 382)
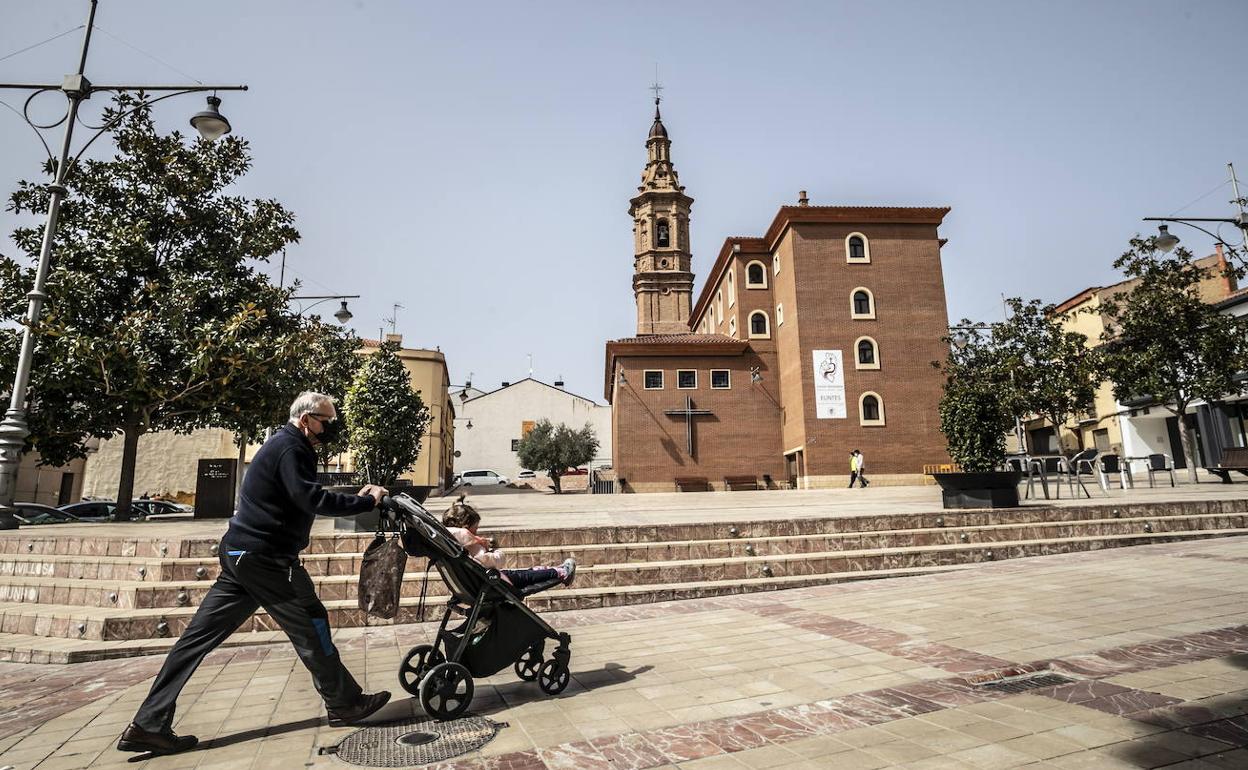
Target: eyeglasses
point(322, 417)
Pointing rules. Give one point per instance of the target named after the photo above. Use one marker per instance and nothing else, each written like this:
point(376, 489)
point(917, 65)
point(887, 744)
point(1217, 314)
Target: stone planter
point(988, 489)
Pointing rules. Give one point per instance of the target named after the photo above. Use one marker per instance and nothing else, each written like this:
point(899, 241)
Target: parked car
point(482, 478)
point(159, 507)
point(575, 472)
point(526, 475)
point(91, 510)
point(37, 513)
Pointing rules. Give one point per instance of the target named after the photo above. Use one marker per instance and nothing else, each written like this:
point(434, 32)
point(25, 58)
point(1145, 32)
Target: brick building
point(812, 340)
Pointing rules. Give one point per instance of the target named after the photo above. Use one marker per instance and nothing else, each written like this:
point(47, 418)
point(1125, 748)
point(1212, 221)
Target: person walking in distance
point(260, 567)
point(860, 469)
point(853, 468)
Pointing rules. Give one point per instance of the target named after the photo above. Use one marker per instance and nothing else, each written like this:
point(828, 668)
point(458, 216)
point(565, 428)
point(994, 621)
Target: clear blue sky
point(474, 161)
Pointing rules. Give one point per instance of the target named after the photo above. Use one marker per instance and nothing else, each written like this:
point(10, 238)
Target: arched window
point(862, 303)
point(775, 265)
point(779, 315)
point(662, 234)
point(755, 276)
point(719, 306)
point(867, 354)
point(732, 288)
point(870, 409)
point(732, 326)
point(857, 249)
point(758, 325)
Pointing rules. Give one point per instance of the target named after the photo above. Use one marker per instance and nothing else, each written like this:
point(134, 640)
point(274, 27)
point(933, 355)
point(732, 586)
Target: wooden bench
point(693, 484)
point(1232, 460)
point(732, 483)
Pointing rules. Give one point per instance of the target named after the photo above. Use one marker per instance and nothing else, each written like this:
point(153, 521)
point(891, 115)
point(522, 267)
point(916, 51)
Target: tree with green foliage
point(555, 449)
point(158, 316)
point(385, 417)
point(1054, 370)
point(1163, 340)
point(980, 398)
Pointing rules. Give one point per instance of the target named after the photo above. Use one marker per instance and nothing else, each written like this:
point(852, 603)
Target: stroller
point(498, 629)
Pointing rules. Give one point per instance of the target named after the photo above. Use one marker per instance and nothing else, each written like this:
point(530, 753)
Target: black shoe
point(366, 707)
point(135, 738)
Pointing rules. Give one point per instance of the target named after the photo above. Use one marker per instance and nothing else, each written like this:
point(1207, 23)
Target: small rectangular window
point(686, 379)
point(719, 379)
point(654, 379)
point(515, 445)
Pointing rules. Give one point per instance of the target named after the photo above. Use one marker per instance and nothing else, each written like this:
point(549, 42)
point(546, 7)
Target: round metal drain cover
point(415, 742)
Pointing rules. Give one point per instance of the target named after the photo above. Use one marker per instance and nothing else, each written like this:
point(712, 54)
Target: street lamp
point(1166, 240)
point(77, 89)
point(343, 314)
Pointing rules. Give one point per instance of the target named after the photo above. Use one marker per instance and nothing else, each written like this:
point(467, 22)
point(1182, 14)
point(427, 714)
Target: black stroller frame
point(498, 629)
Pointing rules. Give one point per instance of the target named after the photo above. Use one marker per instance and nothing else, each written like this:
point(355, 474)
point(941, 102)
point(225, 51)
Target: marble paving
point(879, 674)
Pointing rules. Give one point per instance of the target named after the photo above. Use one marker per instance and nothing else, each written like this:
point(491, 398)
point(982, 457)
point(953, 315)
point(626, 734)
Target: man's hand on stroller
point(373, 491)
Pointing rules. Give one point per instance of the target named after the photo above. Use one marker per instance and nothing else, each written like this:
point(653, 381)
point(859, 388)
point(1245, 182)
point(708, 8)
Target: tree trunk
point(1189, 446)
point(129, 456)
point(554, 480)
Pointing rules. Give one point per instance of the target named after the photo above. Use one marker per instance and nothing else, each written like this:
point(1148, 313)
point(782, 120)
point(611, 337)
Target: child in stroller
point(462, 520)
point(498, 628)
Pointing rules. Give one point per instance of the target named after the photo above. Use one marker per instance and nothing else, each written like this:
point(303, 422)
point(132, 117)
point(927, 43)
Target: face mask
point(330, 432)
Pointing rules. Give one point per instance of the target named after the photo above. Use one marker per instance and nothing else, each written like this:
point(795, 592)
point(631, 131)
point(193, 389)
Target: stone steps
point(597, 586)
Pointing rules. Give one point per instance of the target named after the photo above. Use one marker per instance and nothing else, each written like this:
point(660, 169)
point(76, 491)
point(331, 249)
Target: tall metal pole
point(14, 428)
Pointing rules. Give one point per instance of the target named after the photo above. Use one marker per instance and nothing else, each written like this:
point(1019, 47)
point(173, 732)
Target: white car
point(526, 475)
point(483, 478)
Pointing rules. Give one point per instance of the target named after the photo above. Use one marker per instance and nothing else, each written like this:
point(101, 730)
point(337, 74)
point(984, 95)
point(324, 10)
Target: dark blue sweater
point(281, 498)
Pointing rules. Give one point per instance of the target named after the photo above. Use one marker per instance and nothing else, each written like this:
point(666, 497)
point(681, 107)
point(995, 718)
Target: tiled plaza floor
point(863, 675)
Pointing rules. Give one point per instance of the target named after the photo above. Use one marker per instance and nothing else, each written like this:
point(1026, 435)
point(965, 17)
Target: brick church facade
point(810, 341)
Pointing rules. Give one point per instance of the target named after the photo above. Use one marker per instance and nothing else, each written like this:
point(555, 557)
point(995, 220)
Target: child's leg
point(523, 578)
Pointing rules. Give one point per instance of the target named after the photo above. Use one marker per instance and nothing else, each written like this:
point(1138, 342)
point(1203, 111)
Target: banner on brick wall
point(829, 385)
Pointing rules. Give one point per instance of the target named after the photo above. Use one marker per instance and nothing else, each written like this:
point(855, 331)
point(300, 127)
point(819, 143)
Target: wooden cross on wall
point(689, 413)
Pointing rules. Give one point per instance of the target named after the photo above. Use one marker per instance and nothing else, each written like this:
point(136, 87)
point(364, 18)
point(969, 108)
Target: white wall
point(498, 417)
point(1144, 435)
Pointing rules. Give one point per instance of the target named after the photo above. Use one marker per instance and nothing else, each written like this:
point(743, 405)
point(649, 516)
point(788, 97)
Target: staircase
point(70, 598)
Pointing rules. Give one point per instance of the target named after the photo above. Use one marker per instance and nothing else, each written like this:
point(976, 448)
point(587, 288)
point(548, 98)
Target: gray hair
point(307, 402)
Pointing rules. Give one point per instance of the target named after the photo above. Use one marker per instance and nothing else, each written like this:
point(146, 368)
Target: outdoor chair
point(1112, 465)
point(1085, 463)
point(1159, 463)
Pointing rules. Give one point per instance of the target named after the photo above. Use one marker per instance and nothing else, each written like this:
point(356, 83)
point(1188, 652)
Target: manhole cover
point(1025, 683)
point(416, 742)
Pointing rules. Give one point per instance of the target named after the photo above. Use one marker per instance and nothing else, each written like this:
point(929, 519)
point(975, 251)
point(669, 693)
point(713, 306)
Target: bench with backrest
point(732, 483)
point(1234, 459)
point(692, 484)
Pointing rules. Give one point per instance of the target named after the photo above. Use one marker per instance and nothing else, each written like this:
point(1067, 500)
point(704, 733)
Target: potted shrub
point(976, 412)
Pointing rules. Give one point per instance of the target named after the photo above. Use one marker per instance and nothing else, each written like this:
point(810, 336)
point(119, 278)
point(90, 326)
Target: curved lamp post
point(1166, 240)
point(77, 88)
point(343, 314)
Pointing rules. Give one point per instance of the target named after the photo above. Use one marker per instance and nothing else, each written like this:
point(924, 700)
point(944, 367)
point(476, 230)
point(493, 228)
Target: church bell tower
point(662, 279)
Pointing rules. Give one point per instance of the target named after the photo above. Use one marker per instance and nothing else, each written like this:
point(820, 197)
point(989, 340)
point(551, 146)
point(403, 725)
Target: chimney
point(396, 338)
point(802, 200)
point(559, 382)
point(505, 384)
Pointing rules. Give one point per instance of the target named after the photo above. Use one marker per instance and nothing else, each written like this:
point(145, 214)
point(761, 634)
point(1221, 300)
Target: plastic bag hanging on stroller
point(381, 577)
point(498, 628)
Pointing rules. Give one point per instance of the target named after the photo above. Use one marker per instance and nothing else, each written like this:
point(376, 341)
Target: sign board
point(829, 385)
point(214, 488)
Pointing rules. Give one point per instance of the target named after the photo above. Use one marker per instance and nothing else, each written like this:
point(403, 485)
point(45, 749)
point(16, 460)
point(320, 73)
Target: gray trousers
point(247, 582)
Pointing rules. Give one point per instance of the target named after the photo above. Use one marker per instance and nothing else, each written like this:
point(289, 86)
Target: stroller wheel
point(419, 660)
point(446, 691)
point(529, 664)
point(553, 677)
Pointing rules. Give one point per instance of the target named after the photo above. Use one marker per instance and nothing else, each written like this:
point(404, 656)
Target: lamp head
point(210, 123)
point(1165, 240)
point(343, 314)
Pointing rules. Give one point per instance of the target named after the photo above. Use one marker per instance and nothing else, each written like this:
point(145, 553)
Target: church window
point(857, 249)
point(870, 409)
point(755, 276)
point(719, 379)
point(868, 354)
point(732, 289)
point(732, 326)
point(719, 305)
point(758, 325)
point(775, 265)
point(779, 315)
point(654, 379)
point(662, 235)
point(686, 379)
point(862, 304)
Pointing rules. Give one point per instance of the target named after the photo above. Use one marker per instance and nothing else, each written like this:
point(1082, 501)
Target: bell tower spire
point(662, 279)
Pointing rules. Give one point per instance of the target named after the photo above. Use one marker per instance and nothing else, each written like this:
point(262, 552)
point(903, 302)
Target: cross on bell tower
point(662, 278)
